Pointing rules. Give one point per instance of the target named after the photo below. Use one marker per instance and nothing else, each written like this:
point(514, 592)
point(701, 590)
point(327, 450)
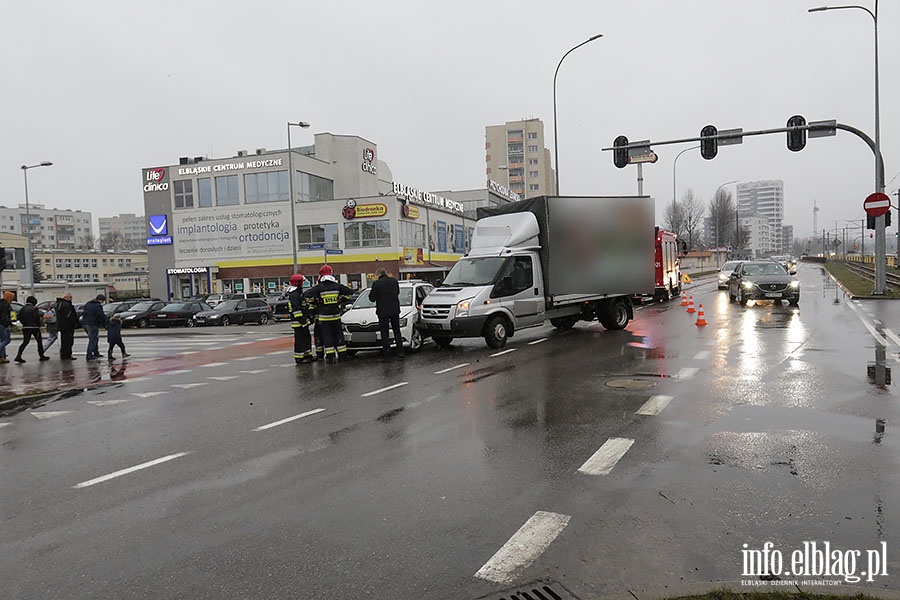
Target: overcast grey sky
point(104, 88)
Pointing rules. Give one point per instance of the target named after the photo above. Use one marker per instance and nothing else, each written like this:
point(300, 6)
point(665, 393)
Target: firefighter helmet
point(296, 279)
point(326, 270)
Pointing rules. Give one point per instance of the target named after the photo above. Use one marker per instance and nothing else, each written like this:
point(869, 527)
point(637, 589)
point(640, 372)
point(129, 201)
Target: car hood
point(210, 314)
point(130, 313)
point(761, 279)
point(367, 315)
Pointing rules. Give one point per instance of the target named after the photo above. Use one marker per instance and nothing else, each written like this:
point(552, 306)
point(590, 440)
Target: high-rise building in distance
point(764, 199)
point(516, 157)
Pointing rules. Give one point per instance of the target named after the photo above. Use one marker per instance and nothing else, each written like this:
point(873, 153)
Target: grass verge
point(858, 285)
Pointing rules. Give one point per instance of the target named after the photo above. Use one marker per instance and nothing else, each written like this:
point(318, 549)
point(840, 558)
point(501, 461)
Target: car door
point(242, 312)
point(518, 291)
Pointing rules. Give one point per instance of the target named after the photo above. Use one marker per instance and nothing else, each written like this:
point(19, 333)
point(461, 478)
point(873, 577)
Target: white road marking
point(686, 373)
point(49, 414)
point(537, 341)
point(293, 364)
point(702, 355)
point(604, 459)
point(147, 394)
point(524, 547)
point(254, 372)
point(187, 386)
point(136, 379)
point(145, 465)
point(178, 372)
point(224, 377)
point(390, 387)
point(4, 424)
point(877, 321)
point(504, 352)
point(186, 353)
point(277, 352)
point(447, 370)
point(878, 337)
point(108, 402)
point(654, 405)
point(218, 364)
point(248, 358)
point(894, 337)
point(289, 419)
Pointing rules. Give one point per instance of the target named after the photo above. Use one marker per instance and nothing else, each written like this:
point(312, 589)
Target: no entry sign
point(877, 204)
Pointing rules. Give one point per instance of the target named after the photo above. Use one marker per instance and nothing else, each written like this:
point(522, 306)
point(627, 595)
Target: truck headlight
point(748, 285)
point(462, 309)
point(795, 285)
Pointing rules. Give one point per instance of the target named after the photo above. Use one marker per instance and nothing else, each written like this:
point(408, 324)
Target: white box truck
point(559, 258)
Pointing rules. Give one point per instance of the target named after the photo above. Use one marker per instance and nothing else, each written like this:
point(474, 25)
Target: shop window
point(318, 234)
point(412, 235)
point(367, 234)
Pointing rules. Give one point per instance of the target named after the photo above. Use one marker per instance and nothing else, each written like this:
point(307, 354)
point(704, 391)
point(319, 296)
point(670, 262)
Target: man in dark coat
point(30, 318)
point(299, 321)
point(67, 322)
point(385, 293)
point(93, 318)
point(5, 323)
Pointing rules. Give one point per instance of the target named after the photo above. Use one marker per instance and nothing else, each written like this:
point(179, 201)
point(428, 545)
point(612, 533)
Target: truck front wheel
point(616, 316)
point(496, 332)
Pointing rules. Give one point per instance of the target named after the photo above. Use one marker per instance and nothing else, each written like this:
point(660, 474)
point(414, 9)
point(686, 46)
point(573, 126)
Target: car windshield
point(475, 271)
point(764, 269)
point(362, 301)
point(176, 306)
point(227, 305)
point(729, 266)
point(141, 306)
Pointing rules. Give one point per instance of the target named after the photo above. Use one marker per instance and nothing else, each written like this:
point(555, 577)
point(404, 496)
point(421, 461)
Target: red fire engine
point(668, 265)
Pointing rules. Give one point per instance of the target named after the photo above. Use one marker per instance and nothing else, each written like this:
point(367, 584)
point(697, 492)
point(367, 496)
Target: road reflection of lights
point(796, 332)
point(722, 304)
point(749, 347)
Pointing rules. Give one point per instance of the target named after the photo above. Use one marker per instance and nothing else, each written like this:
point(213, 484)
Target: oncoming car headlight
point(795, 284)
point(462, 308)
point(748, 285)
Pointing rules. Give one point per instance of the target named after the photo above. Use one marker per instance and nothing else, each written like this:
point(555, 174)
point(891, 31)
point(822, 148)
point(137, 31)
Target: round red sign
point(877, 204)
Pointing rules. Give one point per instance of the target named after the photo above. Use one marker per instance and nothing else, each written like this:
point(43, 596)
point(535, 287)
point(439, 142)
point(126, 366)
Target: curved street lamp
point(555, 139)
point(303, 125)
point(25, 168)
point(674, 193)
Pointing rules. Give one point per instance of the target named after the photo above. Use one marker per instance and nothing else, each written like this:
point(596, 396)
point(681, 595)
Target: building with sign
point(518, 160)
point(224, 225)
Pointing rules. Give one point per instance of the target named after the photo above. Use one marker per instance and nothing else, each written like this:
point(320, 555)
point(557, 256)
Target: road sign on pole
point(315, 246)
point(333, 251)
point(877, 204)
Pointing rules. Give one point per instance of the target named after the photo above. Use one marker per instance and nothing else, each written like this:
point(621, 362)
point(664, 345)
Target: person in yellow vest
point(299, 321)
point(328, 296)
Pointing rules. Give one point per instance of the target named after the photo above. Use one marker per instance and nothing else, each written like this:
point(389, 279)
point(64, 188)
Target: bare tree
point(674, 219)
point(87, 242)
point(114, 240)
point(692, 211)
point(722, 213)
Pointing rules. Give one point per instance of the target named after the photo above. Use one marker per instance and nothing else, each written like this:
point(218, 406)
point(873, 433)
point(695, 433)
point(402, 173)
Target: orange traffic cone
point(683, 298)
point(690, 307)
point(701, 320)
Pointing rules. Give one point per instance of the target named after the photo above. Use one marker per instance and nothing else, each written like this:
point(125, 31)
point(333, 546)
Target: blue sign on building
point(159, 225)
point(160, 240)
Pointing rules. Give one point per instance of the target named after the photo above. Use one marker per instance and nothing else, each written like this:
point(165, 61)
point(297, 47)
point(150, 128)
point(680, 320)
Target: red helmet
point(296, 279)
point(326, 270)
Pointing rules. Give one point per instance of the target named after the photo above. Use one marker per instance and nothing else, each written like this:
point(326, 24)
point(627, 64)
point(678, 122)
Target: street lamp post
point(880, 241)
point(304, 125)
point(555, 138)
point(716, 195)
point(28, 218)
point(674, 192)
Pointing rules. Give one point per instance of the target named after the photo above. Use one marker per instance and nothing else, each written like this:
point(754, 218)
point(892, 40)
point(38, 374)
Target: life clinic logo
point(154, 180)
point(368, 161)
point(814, 563)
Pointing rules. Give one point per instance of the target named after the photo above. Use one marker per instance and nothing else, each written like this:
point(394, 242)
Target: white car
point(727, 269)
point(360, 323)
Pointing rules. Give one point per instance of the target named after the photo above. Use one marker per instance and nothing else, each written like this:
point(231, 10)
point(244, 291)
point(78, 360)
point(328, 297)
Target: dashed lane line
point(248, 358)
point(147, 394)
point(504, 352)
point(4, 425)
point(187, 386)
point(448, 369)
point(215, 364)
point(49, 414)
point(702, 355)
point(224, 377)
point(385, 389)
point(145, 465)
point(654, 406)
point(108, 402)
point(254, 371)
point(178, 372)
point(604, 459)
point(686, 373)
point(524, 547)
point(289, 419)
point(537, 341)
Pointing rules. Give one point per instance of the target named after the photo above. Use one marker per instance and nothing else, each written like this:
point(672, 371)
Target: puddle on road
point(754, 418)
point(479, 374)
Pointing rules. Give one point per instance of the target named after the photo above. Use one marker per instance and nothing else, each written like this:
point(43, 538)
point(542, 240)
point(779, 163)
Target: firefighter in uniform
point(328, 296)
point(299, 321)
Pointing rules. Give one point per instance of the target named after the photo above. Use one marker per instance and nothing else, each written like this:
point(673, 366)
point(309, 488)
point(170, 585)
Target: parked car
point(253, 310)
point(214, 299)
point(177, 313)
point(243, 296)
point(361, 324)
point(763, 280)
point(139, 314)
point(725, 273)
point(117, 307)
point(280, 306)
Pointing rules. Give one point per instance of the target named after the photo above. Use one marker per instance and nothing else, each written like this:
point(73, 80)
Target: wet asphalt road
point(769, 434)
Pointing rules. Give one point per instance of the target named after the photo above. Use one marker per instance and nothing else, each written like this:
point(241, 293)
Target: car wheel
point(225, 321)
point(741, 298)
point(794, 302)
point(263, 319)
point(730, 295)
point(616, 316)
point(143, 323)
point(191, 323)
point(415, 341)
point(495, 332)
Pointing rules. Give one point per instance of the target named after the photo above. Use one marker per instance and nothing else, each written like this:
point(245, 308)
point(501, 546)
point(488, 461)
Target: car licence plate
point(432, 326)
point(773, 295)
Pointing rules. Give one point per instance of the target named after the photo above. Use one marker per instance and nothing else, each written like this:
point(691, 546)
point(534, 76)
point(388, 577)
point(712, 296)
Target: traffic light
point(620, 154)
point(887, 219)
point(796, 139)
point(709, 146)
point(2, 258)
point(870, 220)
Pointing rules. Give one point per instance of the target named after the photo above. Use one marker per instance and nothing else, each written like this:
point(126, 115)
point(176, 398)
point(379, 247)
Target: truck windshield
point(475, 271)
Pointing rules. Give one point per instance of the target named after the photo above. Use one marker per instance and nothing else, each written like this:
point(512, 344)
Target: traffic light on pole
point(620, 153)
point(796, 139)
point(709, 145)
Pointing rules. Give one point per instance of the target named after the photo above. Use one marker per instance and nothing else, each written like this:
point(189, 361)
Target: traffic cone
point(690, 307)
point(683, 298)
point(701, 320)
